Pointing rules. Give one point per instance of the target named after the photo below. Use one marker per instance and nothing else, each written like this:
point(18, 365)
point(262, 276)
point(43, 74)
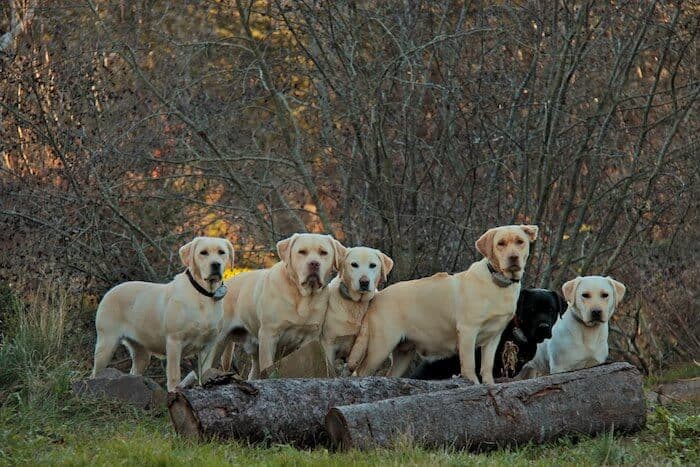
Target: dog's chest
point(344, 319)
point(306, 321)
point(204, 329)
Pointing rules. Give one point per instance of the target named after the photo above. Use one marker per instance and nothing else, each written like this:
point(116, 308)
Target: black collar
point(499, 279)
point(343, 289)
point(217, 295)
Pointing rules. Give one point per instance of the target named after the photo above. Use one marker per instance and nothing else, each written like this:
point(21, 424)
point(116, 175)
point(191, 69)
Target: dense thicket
point(128, 127)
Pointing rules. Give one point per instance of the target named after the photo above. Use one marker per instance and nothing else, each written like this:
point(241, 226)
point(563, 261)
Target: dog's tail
point(359, 347)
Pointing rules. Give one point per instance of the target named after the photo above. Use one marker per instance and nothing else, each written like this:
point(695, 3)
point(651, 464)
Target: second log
point(582, 402)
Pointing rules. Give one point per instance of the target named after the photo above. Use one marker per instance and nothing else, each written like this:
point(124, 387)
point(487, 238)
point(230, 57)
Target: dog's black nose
point(596, 314)
point(216, 267)
point(364, 284)
point(314, 266)
point(514, 259)
point(543, 331)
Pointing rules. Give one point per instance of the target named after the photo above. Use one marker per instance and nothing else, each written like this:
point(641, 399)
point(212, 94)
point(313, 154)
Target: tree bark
point(283, 410)
point(587, 401)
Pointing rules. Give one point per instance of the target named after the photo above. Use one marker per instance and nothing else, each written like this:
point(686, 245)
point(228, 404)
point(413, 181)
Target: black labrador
point(537, 311)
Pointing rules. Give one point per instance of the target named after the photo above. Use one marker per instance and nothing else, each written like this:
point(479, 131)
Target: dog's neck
point(499, 278)
point(591, 336)
point(345, 293)
point(355, 308)
point(217, 293)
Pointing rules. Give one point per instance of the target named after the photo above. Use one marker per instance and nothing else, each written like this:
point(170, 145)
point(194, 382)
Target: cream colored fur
point(171, 320)
point(362, 271)
point(580, 338)
point(446, 314)
point(275, 311)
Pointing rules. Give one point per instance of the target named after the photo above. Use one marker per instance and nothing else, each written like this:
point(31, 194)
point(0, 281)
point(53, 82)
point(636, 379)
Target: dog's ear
point(186, 253)
point(620, 290)
point(569, 290)
point(387, 265)
point(284, 248)
point(531, 231)
point(485, 245)
point(339, 253)
point(231, 253)
point(561, 302)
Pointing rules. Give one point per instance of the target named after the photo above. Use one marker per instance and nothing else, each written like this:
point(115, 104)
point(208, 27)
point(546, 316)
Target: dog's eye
point(204, 252)
point(586, 295)
point(354, 265)
point(502, 243)
point(372, 265)
point(604, 295)
point(520, 241)
point(302, 252)
point(323, 252)
point(222, 252)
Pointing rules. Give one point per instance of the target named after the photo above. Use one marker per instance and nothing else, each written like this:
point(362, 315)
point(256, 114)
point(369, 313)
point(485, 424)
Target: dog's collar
point(519, 335)
point(499, 279)
point(217, 295)
point(343, 289)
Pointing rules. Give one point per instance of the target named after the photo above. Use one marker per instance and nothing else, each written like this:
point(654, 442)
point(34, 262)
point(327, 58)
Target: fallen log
point(282, 410)
point(587, 401)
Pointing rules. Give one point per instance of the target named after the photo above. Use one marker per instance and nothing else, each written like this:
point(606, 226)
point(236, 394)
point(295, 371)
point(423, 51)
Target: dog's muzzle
point(313, 280)
point(215, 274)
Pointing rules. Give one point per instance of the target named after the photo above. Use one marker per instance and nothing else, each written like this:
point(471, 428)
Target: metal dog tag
point(219, 293)
point(520, 335)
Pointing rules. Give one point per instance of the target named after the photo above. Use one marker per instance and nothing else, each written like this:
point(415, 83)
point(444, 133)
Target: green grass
point(41, 422)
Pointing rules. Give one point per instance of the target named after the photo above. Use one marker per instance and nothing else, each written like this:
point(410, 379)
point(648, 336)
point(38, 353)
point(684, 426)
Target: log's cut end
point(337, 428)
point(183, 417)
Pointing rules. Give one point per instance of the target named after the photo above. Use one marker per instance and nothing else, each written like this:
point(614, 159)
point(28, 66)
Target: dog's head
point(207, 258)
point(363, 270)
point(310, 259)
point(507, 248)
point(538, 310)
point(593, 299)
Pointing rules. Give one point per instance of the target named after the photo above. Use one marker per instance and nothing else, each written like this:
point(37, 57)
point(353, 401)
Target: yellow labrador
point(580, 338)
point(350, 292)
point(444, 314)
point(180, 318)
point(275, 311)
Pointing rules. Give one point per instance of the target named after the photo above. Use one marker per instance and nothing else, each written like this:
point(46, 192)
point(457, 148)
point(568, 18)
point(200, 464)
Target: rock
point(308, 361)
point(111, 383)
point(683, 390)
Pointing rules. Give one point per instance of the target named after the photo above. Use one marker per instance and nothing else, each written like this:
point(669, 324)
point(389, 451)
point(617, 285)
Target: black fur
point(537, 311)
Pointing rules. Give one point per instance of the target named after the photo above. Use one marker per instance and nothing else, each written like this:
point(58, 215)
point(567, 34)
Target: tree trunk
point(283, 410)
point(588, 401)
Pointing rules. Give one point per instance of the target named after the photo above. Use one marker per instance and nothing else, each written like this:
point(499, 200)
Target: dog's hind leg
point(378, 351)
point(104, 349)
point(254, 372)
point(227, 354)
point(140, 357)
point(400, 361)
point(467, 343)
